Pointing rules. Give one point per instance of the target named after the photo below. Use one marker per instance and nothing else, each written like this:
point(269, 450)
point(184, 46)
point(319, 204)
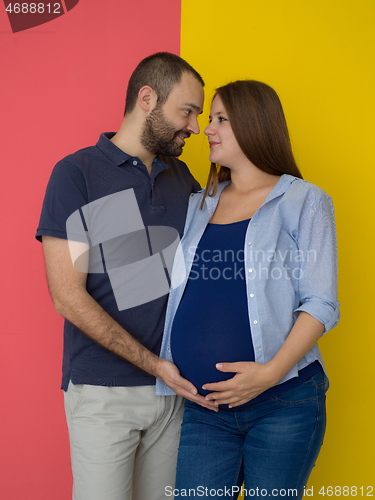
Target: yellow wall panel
point(319, 57)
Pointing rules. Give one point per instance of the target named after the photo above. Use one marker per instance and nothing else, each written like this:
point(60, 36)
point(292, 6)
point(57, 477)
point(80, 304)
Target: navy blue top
point(212, 324)
point(81, 178)
point(219, 328)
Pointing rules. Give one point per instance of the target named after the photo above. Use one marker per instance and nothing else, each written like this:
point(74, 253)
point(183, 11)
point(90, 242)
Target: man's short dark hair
point(161, 71)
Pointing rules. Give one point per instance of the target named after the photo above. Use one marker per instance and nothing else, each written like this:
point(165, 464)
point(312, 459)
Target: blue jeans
point(271, 445)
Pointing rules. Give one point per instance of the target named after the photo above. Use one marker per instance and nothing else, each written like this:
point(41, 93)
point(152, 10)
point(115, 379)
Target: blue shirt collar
point(282, 185)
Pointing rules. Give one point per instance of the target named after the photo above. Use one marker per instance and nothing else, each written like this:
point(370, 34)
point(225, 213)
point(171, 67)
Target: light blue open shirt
point(290, 257)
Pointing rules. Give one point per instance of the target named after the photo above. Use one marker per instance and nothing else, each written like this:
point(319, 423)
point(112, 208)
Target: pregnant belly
point(198, 348)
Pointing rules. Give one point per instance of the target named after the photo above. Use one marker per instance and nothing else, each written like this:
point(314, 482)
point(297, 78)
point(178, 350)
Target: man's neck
point(128, 140)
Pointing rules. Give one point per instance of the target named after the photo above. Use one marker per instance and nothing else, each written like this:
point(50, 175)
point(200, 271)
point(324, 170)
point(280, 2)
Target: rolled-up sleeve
point(318, 273)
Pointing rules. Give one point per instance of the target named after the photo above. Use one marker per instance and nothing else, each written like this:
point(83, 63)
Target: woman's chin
point(212, 157)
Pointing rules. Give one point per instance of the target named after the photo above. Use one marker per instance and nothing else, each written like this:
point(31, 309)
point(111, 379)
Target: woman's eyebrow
point(218, 113)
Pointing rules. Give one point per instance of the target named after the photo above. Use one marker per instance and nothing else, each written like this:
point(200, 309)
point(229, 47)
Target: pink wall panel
point(62, 83)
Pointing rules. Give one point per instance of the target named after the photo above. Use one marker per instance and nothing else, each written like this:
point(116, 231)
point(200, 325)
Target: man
point(111, 199)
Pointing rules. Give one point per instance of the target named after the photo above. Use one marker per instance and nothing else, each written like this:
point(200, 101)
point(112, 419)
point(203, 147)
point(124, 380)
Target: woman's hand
point(253, 378)
point(250, 380)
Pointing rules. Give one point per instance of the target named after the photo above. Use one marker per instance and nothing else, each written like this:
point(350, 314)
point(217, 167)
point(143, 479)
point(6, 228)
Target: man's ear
point(147, 98)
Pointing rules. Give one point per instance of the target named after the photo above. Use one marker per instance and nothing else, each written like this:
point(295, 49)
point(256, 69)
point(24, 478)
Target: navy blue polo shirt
point(90, 175)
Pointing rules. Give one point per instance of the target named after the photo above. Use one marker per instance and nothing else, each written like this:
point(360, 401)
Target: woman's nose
point(209, 129)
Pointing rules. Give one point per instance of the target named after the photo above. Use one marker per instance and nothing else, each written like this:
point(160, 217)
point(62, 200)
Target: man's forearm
point(68, 291)
point(86, 314)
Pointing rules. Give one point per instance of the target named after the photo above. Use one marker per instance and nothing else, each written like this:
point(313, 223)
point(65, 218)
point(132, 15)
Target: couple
point(256, 289)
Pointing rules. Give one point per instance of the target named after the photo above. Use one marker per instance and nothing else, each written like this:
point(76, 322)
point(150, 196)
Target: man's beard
point(158, 136)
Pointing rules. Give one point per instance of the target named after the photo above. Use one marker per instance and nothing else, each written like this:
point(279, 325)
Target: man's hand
point(170, 375)
point(250, 380)
point(68, 290)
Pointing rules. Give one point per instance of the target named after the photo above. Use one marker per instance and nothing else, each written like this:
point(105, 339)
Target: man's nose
point(194, 125)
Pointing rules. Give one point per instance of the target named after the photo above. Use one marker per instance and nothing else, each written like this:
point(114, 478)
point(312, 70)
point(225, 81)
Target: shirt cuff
point(327, 313)
point(163, 390)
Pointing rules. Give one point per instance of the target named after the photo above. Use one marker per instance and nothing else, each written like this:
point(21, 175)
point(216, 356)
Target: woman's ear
point(147, 98)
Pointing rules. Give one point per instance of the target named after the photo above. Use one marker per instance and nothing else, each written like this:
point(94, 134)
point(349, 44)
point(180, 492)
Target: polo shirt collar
point(119, 157)
point(110, 150)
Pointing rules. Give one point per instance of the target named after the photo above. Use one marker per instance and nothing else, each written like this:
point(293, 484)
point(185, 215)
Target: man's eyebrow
point(194, 106)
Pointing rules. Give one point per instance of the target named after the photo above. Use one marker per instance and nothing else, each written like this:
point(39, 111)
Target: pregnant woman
point(260, 289)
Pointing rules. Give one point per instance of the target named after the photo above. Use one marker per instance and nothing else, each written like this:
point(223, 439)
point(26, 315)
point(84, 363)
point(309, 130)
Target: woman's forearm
point(303, 336)
point(251, 379)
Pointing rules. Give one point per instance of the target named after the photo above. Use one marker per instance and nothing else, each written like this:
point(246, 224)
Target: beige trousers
point(123, 442)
